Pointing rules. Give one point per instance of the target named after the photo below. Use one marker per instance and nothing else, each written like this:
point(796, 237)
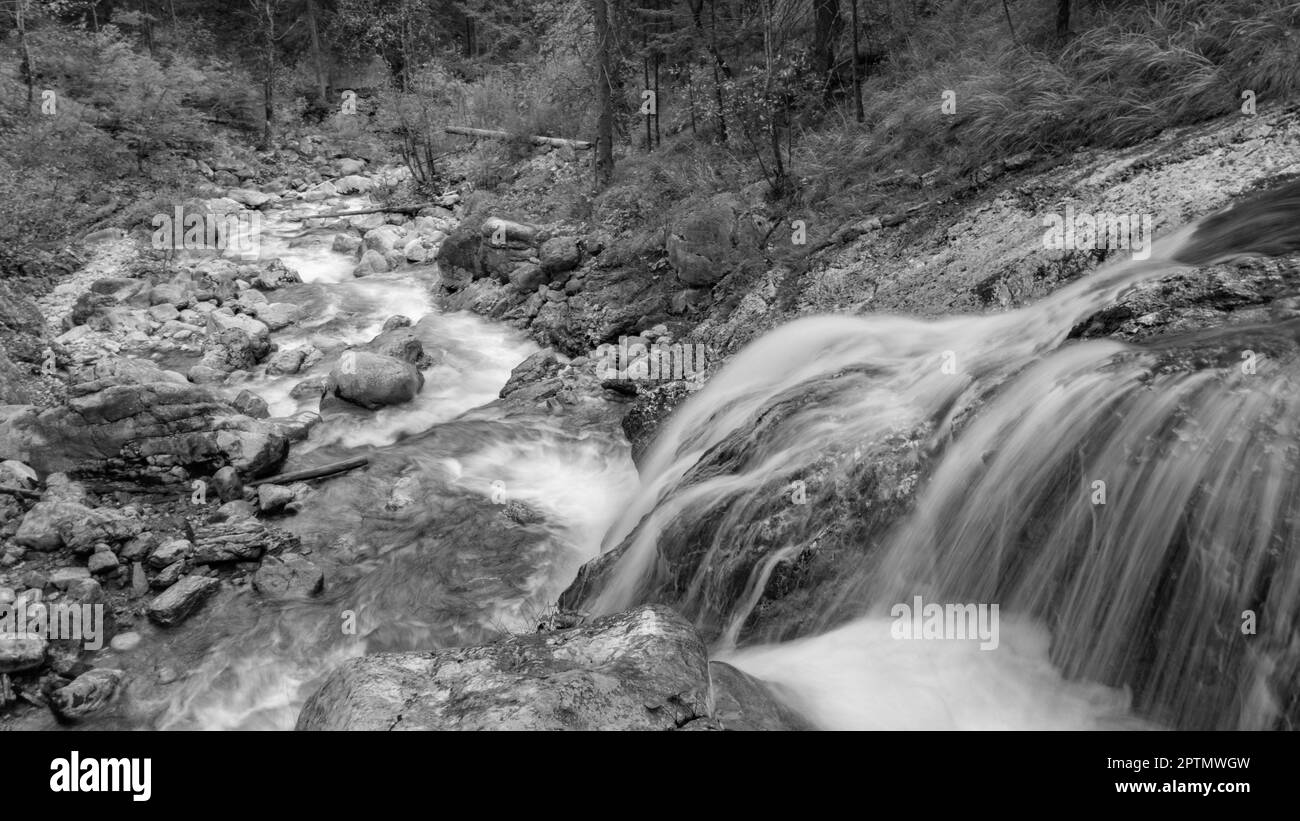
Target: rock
point(238, 540)
point(164, 313)
point(168, 576)
point(250, 404)
point(383, 239)
point(541, 365)
point(21, 653)
point(180, 600)
point(104, 562)
point(139, 547)
point(644, 669)
point(101, 524)
point(526, 277)
point(348, 167)
point(705, 243)
point(170, 552)
point(275, 274)
point(258, 332)
point(395, 322)
point(249, 197)
point(88, 694)
point(65, 578)
point(125, 642)
point(205, 375)
point(271, 498)
point(742, 702)
point(352, 184)
point(139, 581)
point(286, 362)
point(414, 251)
point(227, 484)
point(372, 262)
point(290, 577)
point(374, 381)
point(399, 343)
point(346, 244)
point(559, 254)
point(234, 510)
point(47, 524)
point(278, 315)
point(522, 513)
point(307, 388)
point(295, 428)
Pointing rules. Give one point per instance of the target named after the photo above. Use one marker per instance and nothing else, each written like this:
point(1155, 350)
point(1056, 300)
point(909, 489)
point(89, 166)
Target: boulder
point(271, 498)
point(238, 540)
point(250, 404)
point(706, 242)
point(541, 365)
point(278, 315)
point(559, 254)
point(88, 694)
point(372, 262)
point(644, 669)
point(383, 239)
point(21, 653)
point(373, 381)
point(290, 577)
point(526, 277)
point(346, 244)
point(352, 184)
point(170, 552)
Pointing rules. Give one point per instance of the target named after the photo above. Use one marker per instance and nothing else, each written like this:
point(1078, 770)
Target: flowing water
point(417, 551)
point(1119, 610)
point(1124, 510)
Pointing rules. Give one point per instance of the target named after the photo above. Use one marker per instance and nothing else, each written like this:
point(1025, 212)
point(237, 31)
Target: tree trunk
point(268, 76)
point(857, 80)
point(604, 95)
point(1062, 19)
point(826, 25)
point(316, 53)
point(26, 68)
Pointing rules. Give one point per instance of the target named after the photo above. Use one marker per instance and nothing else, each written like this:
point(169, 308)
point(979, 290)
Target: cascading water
point(961, 460)
point(417, 549)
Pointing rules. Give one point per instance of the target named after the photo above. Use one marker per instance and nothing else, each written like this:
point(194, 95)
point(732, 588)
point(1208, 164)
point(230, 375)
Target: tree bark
point(604, 162)
point(316, 52)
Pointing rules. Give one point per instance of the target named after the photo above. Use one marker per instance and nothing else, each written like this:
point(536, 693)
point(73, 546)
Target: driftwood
point(555, 142)
point(314, 473)
point(19, 492)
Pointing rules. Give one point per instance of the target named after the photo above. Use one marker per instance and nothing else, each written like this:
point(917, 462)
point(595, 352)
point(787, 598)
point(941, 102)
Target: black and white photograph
point(768, 366)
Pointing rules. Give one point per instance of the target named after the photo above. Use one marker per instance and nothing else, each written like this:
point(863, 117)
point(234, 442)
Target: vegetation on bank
point(827, 107)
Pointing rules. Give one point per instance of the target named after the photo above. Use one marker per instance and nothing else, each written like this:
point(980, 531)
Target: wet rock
point(307, 388)
point(396, 321)
point(233, 510)
point(179, 601)
point(743, 702)
point(278, 315)
point(522, 513)
point(399, 343)
point(383, 239)
point(644, 669)
point(275, 274)
point(290, 577)
point(21, 653)
point(125, 642)
point(414, 251)
point(90, 693)
point(372, 262)
point(286, 362)
point(240, 540)
point(250, 197)
point(259, 335)
point(47, 524)
point(170, 552)
point(347, 167)
point(374, 381)
point(541, 365)
point(271, 498)
point(346, 244)
point(250, 404)
point(295, 428)
point(101, 525)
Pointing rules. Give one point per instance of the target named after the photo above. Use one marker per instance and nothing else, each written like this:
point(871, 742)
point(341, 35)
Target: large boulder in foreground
point(644, 669)
point(373, 380)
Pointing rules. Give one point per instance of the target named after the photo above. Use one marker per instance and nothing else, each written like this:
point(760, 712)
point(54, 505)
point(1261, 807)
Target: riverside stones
point(180, 600)
point(373, 381)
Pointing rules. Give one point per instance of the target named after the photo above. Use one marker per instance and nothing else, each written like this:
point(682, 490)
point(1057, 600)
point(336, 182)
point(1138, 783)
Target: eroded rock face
point(644, 669)
point(702, 244)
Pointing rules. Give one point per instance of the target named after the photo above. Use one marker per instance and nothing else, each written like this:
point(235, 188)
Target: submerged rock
point(89, 694)
point(180, 600)
point(644, 669)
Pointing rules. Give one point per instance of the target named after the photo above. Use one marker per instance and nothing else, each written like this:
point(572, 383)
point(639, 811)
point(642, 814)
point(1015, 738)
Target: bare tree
point(604, 94)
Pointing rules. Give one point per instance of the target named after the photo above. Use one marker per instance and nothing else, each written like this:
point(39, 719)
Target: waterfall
point(1132, 508)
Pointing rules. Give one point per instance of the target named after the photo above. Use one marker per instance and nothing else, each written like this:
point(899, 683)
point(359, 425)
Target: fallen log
point(443, 201)
point(318, 472)
point(19, 492)
point(555, 142)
